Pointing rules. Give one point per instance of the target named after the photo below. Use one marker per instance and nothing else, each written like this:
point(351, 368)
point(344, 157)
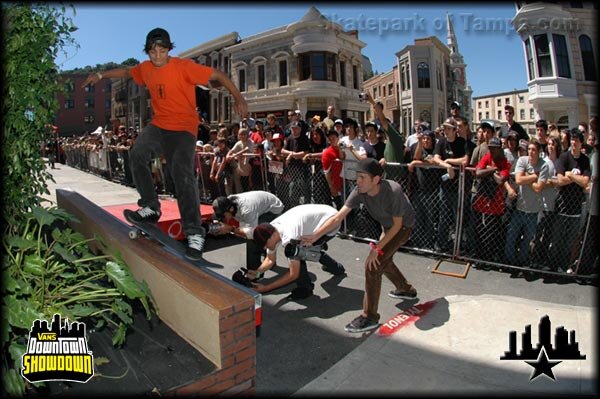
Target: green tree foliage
point(33, 36)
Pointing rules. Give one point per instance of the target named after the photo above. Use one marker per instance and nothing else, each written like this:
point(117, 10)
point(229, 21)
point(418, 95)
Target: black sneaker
point(403, 294)
point(337, 272)
point(145, 214)
point(195, 247)
point(361, 324)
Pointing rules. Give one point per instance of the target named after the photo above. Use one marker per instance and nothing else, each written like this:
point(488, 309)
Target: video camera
point(213, 228)
point(295, 250)
point(241, 277)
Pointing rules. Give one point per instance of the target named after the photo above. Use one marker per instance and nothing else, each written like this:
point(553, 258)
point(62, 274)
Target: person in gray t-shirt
point(387, 204)
point(531, 174)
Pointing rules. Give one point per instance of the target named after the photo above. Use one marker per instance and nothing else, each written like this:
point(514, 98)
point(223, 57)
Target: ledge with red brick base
point(212, 315)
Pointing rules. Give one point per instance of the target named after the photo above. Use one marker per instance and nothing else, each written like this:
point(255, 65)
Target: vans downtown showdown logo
point(57, 353)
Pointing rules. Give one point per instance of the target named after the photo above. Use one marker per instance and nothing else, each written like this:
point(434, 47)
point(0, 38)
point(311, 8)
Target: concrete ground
point(456, 347)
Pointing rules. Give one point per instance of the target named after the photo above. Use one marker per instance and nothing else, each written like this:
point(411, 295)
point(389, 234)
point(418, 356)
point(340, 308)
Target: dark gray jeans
point(179, 151)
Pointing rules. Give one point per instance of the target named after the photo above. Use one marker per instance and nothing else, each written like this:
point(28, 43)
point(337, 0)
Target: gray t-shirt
point(549, 193)
point(253, 204)
point(528, 200)
point(389, 202)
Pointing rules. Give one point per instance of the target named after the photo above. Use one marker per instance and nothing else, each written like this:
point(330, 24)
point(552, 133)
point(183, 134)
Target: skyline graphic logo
point(565, 348)
point(57, 353)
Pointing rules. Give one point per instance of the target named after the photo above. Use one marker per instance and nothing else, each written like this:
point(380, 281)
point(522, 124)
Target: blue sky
point(491, 49)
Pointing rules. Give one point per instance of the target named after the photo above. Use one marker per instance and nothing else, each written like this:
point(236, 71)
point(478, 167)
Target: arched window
point(587, 57)
point(423, 75)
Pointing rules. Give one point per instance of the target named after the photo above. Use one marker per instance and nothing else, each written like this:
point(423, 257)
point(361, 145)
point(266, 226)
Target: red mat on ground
point(170, 220)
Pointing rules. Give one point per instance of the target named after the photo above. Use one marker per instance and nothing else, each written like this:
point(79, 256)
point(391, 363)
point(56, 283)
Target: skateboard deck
point(152, 232)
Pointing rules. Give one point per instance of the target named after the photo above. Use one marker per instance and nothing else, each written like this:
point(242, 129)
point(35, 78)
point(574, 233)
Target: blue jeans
point(448, 204)
point(179, 151)
point(520, 221)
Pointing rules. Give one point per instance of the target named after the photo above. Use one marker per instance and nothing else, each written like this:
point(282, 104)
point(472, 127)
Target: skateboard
point(152, 232)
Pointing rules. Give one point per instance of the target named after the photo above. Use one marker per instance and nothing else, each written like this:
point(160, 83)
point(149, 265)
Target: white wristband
point(99, 75)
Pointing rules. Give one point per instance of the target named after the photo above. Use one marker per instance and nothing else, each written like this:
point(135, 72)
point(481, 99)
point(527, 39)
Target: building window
point(88, 119)
point(507, 101)
point(317, 66)
point(562, 56)
point(89, 103)
point(499, 114)
point(390, 89)
point(499, 102)
point(343, 73)
point(70, 85)
point(215, 64)
point(531, 113)
point(403, 78)
point(69, 103)
point(423, 75)
point(479, 116)
point(383, 92)
point(226, 65)
point(242, 80)
point(487, 115)
point(487, 104)
point(479, 105)
point(542, 50)
point(587, 57)
point(355, 77)
point(522, 114)
point(90, 88)
point(529, 55)
point(225, 108)
point(261, 79)
point(283, 75)
point(214, 111)
point(521, 99)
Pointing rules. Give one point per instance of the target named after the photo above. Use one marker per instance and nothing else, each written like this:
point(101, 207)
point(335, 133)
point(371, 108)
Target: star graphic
point(542, 366)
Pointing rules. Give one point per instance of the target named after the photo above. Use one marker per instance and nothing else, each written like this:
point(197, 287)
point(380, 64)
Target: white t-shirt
point(350, 163)
point(253, 204)
point(302, 220)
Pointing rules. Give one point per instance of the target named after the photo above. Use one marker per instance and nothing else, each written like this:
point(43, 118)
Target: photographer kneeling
point(240, 213)
point(287, 230)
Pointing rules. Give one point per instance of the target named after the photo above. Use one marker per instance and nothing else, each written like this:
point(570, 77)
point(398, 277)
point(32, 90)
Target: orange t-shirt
point(173, 92)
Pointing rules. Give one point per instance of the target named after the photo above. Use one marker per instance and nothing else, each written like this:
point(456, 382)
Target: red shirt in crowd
point(330, 165)
point(495, 205)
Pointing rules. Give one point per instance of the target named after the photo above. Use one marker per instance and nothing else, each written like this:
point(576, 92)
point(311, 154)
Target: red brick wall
point(237, 376)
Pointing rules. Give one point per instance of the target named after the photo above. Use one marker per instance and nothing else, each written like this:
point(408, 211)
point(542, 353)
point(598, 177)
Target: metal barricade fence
point(297, 182)
point(451, 222)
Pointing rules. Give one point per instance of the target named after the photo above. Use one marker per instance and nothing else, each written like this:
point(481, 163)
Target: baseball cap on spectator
point(277, 136)
point(295, 124)
point(158, 36)
point(486, 125)
point(494, 142)
point(371, 123)
point(316, 118)
point(199, 143)
point(370, 166)
point(523, 144)
point(262, 233)
point(450, 122)
point(455, 104)
point(341, 122)
point(430, 134)
point(298, 112)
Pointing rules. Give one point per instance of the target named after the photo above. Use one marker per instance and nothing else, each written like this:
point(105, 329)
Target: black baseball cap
point(455, 104)
point(220, 206)
point(158, 36)
point(370, 166)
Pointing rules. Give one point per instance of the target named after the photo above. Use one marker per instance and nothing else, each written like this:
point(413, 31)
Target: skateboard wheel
point(133, 234)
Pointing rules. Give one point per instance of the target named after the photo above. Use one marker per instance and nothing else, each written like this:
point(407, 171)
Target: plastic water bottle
point(445, 177)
